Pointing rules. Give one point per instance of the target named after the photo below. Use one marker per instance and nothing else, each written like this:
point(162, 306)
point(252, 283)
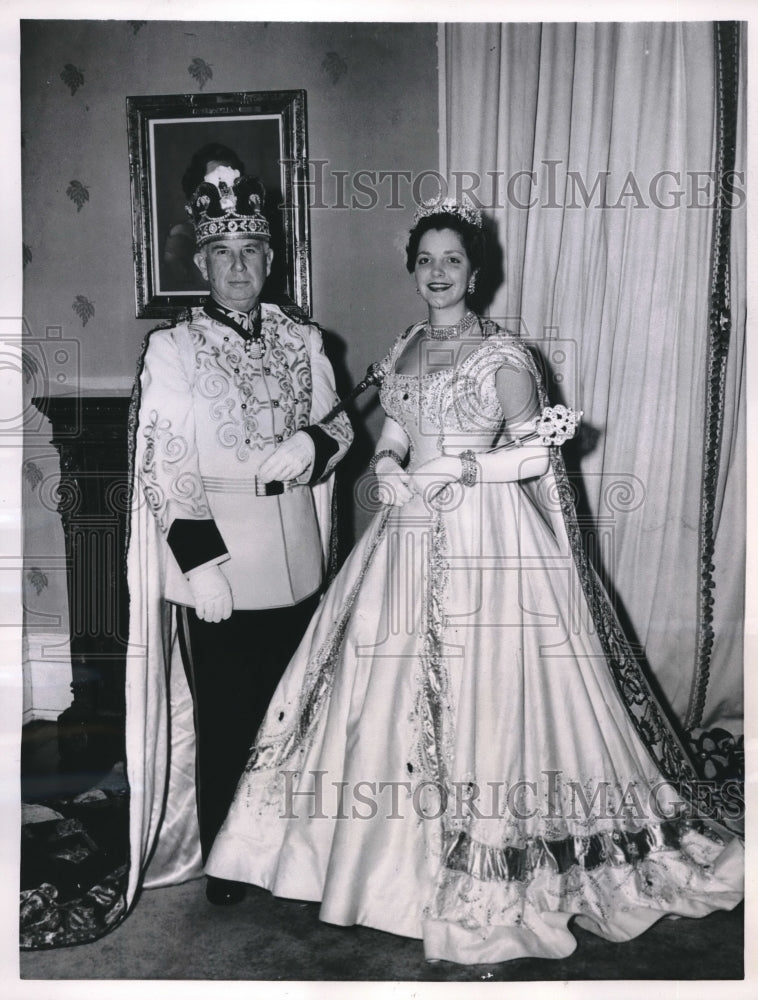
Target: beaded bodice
point(455, 407)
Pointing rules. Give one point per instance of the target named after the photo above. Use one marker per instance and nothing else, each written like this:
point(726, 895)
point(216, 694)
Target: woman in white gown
point(464, 748)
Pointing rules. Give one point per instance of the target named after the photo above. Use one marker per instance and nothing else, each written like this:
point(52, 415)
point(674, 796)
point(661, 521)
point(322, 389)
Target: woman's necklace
point(451, 332)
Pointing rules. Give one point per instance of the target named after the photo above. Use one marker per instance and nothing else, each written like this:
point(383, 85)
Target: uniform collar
point(247, 325)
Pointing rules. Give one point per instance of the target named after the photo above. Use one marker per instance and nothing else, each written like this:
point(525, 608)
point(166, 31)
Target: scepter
point(374, 376)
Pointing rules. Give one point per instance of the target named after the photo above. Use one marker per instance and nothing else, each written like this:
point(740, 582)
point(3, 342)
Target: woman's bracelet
point(470, 470)
point(384, 453)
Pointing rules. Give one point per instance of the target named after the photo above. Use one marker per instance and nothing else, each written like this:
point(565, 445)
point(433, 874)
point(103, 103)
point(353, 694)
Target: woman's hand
point(393, 482)
point(432, 477)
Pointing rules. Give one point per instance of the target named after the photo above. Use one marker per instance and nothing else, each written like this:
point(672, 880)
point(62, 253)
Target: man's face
point(236, 268)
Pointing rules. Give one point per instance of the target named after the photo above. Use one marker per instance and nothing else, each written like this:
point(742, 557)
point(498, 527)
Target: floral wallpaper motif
point(334, 66)
point(200, 71)
point(72, 77)
point(83, 308)
point(78, 193)
point(136, 25)
point(32, 474)
point(29, 366)
point(37, 579)
point(27, 250)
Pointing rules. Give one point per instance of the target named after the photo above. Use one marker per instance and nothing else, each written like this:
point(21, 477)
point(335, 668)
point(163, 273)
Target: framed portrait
point(265, 132)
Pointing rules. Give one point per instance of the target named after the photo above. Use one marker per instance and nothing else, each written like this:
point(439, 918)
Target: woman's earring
point(418, 290)
point(471, 287)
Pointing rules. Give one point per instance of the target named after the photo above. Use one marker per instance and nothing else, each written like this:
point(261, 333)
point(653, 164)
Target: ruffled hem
point(475, 920)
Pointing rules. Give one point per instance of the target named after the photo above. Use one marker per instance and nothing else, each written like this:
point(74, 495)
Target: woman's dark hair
point(195, 172)
point(471, 236)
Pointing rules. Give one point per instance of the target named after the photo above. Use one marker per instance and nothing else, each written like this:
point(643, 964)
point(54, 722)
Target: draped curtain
point(591, 149)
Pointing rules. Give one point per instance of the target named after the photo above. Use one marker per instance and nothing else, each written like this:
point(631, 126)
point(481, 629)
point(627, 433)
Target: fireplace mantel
point(89, 431)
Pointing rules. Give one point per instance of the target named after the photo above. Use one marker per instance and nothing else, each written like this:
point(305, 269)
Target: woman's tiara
point(449, 206)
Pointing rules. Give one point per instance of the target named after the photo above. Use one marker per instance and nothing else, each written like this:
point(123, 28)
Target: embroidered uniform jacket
point(210, 413)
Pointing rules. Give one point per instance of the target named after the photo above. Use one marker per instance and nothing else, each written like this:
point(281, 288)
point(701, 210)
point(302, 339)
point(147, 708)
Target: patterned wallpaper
point(77, 79)
point(79, 296)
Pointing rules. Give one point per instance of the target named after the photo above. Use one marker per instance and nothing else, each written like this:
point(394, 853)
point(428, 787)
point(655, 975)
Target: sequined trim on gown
point(463, 748)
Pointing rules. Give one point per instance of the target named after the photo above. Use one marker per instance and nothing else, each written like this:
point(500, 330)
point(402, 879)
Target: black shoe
point(222, 892)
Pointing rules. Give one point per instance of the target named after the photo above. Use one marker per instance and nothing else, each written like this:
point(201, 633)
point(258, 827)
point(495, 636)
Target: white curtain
point(612, 283)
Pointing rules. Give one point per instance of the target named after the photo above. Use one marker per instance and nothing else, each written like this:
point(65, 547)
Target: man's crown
point(227, 204)
point(449, 206)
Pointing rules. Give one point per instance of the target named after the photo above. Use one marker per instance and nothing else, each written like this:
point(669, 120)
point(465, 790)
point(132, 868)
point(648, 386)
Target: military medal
point(254, 347)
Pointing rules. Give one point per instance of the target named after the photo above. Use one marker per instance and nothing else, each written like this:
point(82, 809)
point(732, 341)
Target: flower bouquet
point(555, 425)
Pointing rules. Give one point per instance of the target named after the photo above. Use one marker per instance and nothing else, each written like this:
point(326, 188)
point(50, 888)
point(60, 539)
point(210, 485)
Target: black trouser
point(233, 668)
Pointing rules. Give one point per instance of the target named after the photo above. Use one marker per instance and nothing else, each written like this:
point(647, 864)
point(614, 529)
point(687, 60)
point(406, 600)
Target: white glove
point(394, 482)
point(211, 593)
point(290, 459)
point(432, 477)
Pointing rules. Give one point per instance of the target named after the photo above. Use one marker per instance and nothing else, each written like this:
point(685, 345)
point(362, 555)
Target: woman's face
point(442, 269)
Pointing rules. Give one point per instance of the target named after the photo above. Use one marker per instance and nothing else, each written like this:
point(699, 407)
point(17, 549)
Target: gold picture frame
point(267, 130)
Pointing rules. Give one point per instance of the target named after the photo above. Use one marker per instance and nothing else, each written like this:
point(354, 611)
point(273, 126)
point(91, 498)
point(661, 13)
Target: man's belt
point(253, 486)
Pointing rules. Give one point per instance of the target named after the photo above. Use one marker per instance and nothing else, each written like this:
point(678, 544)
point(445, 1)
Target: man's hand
point(290, 459)
point(211, 593)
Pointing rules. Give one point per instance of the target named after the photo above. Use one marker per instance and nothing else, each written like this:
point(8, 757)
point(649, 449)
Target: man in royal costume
point(229, 534)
